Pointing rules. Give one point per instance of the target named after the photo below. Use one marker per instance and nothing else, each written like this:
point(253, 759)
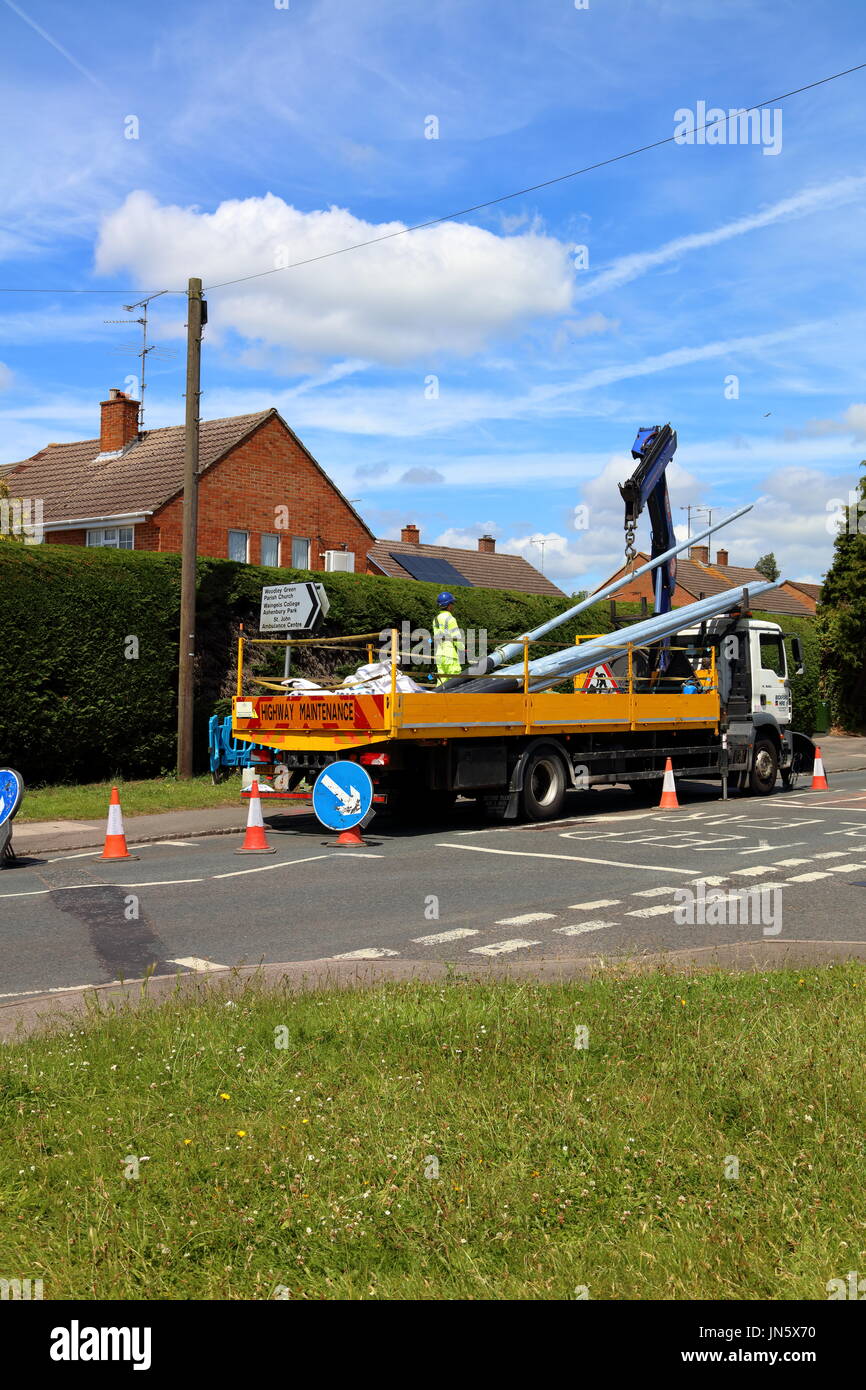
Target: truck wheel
point(765, 766)
point(543, 794)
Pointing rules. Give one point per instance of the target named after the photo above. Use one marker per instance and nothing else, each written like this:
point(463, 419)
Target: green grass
point(559, 1167)
point(90, 801)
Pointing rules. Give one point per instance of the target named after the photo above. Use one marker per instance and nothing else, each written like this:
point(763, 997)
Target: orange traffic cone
point(115, 839)
point(819, 778)
point(255, 841)
point(669, 790)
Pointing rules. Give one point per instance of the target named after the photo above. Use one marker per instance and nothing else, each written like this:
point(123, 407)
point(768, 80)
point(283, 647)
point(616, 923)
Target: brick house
point(262, 497)
point(697, 578)
point(484, 567)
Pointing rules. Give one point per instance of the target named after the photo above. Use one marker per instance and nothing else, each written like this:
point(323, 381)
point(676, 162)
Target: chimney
point(411, 534)
point(721, 557)
point(119, 423)
point(487, 544)
point(701, 553)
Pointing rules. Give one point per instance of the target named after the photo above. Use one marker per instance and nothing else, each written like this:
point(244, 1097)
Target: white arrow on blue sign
point(342, 795)
point(292, 607)
point(11, 792)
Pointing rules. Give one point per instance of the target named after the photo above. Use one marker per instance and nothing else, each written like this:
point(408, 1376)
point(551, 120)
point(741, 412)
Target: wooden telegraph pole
point(196, 318)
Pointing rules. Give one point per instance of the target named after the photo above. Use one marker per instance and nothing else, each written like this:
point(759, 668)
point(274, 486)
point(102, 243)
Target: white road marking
point(807, 878)
point(790, 863)
point(591, 907)
point(196, 963)
point(83, 854)
point(713, 880)
point(754, 871)
point(154, 883)
point(574, 858)
point(438, 938)
point(652, 911)
point(500, 948)
point(651, 892)
point(366, 953)
point(830, 854)
point(55, 989)
point(762, 849)
point(525, 920)
point(262, 868)
point(845, 868)
point(582, 927)
point(178, 844)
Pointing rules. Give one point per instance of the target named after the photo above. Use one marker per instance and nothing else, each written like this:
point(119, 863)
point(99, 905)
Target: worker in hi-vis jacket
point(449, 649)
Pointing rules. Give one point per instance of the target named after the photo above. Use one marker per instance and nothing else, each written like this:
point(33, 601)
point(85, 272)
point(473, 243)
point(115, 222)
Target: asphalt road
point(604, 880)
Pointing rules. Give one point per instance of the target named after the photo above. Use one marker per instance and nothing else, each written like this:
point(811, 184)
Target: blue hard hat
point(445, 598)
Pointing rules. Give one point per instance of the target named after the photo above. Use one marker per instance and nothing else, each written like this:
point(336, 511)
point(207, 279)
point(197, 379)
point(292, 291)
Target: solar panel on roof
point(430, 567)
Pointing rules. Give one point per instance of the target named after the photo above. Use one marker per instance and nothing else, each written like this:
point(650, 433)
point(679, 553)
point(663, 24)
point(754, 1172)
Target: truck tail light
point(375, 759)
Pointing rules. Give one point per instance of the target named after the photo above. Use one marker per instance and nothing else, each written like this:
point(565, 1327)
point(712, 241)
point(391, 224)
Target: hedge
point(77, 703)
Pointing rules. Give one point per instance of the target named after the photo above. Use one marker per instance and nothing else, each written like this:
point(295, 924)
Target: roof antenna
point(144, 350)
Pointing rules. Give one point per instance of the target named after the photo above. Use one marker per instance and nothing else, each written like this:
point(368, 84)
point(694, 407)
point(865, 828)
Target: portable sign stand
point(343, 800)
point(292, 608)
point(11, 793)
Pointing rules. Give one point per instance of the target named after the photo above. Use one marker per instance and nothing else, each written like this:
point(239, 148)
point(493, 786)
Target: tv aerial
point(146, 348)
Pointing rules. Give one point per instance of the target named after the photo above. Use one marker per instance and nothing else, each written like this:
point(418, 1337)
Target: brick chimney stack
point(721, 557)
point(411, 534)
point(487, 545)
point(701, 553)
point(119, 422)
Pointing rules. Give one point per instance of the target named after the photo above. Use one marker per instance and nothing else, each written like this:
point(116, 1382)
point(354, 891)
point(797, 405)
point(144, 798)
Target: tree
point(767, 566)
point(842, 618)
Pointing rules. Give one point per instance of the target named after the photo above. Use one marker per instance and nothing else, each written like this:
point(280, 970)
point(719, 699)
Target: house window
point(271, 550)
point(239, 546)
point(116, 537)
point(300, 553)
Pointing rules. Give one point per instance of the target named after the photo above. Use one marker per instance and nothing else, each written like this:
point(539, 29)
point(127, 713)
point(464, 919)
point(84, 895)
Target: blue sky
point(483, 375)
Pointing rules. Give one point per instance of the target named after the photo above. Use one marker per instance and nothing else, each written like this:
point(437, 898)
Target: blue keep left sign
point(11, 792)
point(342, 795)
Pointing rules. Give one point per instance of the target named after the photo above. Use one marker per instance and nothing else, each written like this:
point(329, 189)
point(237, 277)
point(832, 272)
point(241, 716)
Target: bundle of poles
point(547, 671)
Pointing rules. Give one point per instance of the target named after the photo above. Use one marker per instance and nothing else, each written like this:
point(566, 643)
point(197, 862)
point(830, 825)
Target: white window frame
point(301, 540)
point(246, 536)
point(270, 536)
point(98, 536)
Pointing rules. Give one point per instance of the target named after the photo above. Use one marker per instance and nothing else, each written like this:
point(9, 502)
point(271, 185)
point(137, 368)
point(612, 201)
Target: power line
point(475, 207)
point(533, 188)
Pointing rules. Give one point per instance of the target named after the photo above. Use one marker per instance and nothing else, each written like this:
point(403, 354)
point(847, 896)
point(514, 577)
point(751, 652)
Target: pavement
point(841, 753)
point(743, 883)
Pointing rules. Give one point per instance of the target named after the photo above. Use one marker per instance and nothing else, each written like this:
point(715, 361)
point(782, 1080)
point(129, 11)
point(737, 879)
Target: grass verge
point(446, 1142)
point(90, 800)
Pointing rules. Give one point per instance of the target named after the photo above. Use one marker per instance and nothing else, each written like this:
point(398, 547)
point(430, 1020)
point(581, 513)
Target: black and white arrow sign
point(292, 607)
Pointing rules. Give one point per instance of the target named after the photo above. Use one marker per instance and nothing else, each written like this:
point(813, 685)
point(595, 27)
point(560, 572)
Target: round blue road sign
point(342, 795)
point(11, 792)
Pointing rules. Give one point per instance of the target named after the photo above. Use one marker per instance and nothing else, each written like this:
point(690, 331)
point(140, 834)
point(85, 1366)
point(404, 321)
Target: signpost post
point(292, 608)
point(343, 800)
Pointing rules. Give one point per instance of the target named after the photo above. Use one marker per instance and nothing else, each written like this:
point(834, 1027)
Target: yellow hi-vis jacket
point(448, 646)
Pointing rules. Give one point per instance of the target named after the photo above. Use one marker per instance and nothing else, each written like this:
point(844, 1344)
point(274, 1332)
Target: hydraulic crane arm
point(647, 487)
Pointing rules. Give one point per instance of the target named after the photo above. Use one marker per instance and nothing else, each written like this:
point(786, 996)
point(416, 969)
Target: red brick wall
point(66, 537)
point(243, 493)
point(643, 588)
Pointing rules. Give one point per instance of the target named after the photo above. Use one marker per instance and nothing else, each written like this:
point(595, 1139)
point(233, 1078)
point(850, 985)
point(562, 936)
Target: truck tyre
point(765, 766)
point(544, 785)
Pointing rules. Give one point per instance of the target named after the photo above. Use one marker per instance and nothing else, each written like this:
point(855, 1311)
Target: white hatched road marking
point(575, 858)
point(443, 936)
point(807, 878)
point(592, 907)
point(366, 953)
point(652, 911)
point(501, 948)
point(790, 863)
point(754, 871)
point(651, 892)
point(582, 927)
point(525, 920)
point(714, 880)
point(196, 963)
point(845, 868)
point(830, 854)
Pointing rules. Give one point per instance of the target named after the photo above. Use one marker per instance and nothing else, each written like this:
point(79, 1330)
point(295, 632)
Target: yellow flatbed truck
point(721, 716)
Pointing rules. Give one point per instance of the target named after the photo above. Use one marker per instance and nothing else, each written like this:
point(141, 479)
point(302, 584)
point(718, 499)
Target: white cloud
point(810, 200)
point(450, 288)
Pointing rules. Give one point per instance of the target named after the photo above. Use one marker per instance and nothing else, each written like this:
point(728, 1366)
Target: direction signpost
point(343, 800)
point(292, 608)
